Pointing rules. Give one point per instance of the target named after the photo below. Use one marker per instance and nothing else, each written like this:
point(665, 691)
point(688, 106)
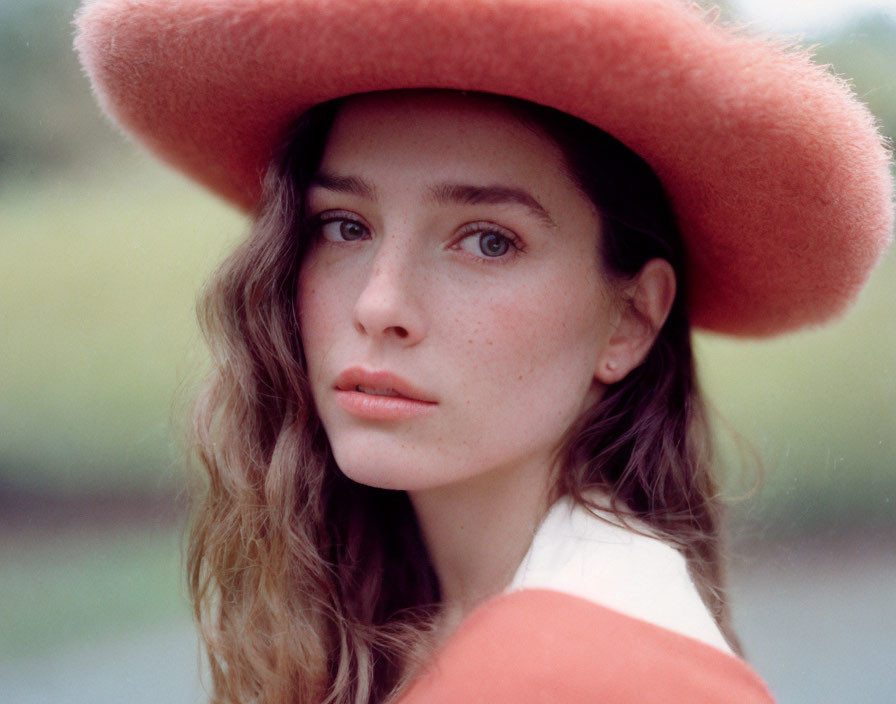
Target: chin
point(363, 466)
point(378, 470)
point(375, 477)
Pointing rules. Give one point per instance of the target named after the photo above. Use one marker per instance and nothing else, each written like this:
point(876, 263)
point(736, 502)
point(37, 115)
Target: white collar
point(602, 561)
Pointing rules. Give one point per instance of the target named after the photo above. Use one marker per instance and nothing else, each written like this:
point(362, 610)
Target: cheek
point(538, 340)
point(316, 308)
point(307, 313)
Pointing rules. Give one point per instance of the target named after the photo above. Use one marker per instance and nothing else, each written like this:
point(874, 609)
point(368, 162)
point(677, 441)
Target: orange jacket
point(539, 646)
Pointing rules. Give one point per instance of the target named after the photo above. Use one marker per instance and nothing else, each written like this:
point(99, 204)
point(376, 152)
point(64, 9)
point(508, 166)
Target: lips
point(380, 383)
point(380, 397)
point(376, 392)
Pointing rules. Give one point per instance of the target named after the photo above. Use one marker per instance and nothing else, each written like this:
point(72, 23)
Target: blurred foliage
point(48, 119)
point(864, 52)
point(80, 588)
point(97, 286)
point(102, 252)
point(819, 409)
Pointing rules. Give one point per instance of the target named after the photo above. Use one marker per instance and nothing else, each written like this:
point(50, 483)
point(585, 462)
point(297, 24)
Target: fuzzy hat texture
point(776, 173)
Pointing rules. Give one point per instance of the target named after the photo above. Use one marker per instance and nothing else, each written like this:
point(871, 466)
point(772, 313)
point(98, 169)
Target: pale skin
point(452, 249)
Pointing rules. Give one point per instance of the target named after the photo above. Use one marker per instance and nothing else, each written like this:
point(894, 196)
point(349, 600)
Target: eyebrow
point(492, 195)
point(343, 184)
point(446, 193)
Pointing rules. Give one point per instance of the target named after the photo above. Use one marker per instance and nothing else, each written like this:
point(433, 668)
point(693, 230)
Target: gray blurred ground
point(155, 666)
point(817, 620)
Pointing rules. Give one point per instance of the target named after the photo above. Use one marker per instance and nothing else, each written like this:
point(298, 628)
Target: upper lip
point(353, 377)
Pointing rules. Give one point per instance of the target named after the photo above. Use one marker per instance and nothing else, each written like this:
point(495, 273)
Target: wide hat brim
point(777, 175)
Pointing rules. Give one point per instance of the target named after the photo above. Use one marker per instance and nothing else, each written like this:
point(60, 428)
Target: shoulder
point(595, 557)
point(543, 646)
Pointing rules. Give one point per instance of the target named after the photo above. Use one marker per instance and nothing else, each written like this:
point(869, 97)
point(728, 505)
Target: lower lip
point(372, 407)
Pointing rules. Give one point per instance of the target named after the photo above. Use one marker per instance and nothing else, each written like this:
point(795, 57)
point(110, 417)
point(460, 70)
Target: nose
point(388, 306)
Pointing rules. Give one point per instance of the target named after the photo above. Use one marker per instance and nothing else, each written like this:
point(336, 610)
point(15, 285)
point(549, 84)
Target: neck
point(478, 531)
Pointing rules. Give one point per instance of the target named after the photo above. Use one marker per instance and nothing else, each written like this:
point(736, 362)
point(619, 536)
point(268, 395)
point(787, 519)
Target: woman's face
point(452, 307)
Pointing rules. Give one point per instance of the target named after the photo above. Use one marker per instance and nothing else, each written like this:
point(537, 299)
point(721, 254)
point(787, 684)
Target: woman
point(453, 438)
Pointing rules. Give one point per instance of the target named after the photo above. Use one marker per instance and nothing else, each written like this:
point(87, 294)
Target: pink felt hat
point(776, 173)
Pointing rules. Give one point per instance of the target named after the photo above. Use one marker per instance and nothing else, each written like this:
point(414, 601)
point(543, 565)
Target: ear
point(646, 301)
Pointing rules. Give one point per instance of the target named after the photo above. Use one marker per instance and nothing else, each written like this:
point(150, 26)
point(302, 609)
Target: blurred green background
point(102, 252)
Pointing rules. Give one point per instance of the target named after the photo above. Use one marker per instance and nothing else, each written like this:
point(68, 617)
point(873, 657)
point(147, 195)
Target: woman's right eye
point(340, 229)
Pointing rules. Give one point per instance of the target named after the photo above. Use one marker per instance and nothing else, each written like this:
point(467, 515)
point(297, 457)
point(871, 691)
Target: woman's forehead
point(442, 136)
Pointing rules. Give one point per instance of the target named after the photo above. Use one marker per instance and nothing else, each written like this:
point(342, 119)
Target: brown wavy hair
point(309, 587)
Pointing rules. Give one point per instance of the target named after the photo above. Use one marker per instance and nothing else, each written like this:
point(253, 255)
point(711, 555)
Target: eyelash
point(316, 224)
point(485, 228)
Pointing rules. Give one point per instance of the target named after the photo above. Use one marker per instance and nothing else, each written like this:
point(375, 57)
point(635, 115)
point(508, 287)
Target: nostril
point(400, 331)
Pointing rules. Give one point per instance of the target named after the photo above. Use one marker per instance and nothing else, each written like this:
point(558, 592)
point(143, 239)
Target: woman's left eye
point(490, 243)
point(340, 229)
